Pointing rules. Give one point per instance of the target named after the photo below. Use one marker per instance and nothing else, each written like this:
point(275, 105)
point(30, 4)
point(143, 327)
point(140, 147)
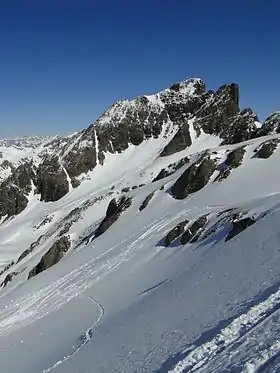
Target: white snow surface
point(124, 303)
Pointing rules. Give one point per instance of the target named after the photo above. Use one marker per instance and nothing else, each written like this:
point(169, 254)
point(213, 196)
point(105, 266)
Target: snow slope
point(125, 303)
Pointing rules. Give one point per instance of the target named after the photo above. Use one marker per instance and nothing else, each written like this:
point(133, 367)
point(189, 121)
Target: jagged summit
point(271, 125)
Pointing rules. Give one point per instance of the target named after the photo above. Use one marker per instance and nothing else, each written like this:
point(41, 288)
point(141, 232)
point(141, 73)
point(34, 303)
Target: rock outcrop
point(266, 149)
point(175, 233)
point(14, 190)
point(114, 211)
point(171, 168)
point(146, 201)
point(218, 114)
point(239, 226)
point(194, 178)
point(179, 142)
point(53, 256)
point(191, 235)
point(270, 126)
point(234, 160)
point(12, 200)
point(51, 180)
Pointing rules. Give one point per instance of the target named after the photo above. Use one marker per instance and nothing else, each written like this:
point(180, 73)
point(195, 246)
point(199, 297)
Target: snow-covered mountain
point(146, 242)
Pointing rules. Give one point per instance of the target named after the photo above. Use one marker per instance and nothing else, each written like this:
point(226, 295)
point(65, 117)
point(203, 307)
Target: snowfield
point(123, 302)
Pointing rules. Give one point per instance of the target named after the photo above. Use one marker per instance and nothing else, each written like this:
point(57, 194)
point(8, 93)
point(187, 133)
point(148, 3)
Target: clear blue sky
point(62, 63)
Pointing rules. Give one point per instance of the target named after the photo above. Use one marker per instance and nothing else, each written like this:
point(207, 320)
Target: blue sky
point(64, 62)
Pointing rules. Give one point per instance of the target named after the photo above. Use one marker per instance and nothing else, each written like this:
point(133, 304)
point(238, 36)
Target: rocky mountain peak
point(177, 117)
point(271, 125)
point(188, 87)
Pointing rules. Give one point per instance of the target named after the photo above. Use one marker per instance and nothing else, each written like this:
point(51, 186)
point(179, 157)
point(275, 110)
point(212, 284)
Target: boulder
point(114, 211)
point(146, 201)
point(171, 169)
point(192, 233)
point(53, 256)
point(266, 149)
point(175, 233)
point(239, 226)
point(193, 179)
point(234, 160)
point(235, 157)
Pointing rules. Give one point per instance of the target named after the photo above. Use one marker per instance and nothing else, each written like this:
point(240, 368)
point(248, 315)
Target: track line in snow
point(199, 356)
point(85, 337)
point(257, 364)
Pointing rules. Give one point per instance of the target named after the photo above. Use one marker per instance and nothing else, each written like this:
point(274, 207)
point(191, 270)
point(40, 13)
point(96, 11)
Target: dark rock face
point(192, 233)
point(82, 157)
point(266, 149)
point(8, 279)
point(114, 211)
point(129, 123)
point(220, 116)
point(218, 108)
point(6, 164)
point(240, 127)
point(53, 256)
point(22, 176)
point(75, 182)
point(180, 141)
point(8, 266)
point(239, 226)
point(80, 162)
point(175, 233)
point(173, 167)
point(132, 122)
point(193, 179)
point(51, 180)
point(216, 113)
point(270, 126)
point(183, 99)
point(146, 201)
point(12, 200)
point(234, 160)
point(30, 248)
point(14, 189)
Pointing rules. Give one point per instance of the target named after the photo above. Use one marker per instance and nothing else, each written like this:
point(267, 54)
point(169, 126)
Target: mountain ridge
point(143, 240)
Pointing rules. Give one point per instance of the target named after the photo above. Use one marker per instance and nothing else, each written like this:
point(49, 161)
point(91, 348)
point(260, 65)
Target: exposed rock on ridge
point(194, 178)
point(51, 180)
point(114, 210)
point(53, 256)
point(185, 110)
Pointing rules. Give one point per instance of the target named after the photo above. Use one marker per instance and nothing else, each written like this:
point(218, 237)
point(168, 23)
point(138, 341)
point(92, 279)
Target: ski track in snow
point(21, 311)
point(256, 364)
point(25, 310)
point(198, 357)
point(85, 338)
